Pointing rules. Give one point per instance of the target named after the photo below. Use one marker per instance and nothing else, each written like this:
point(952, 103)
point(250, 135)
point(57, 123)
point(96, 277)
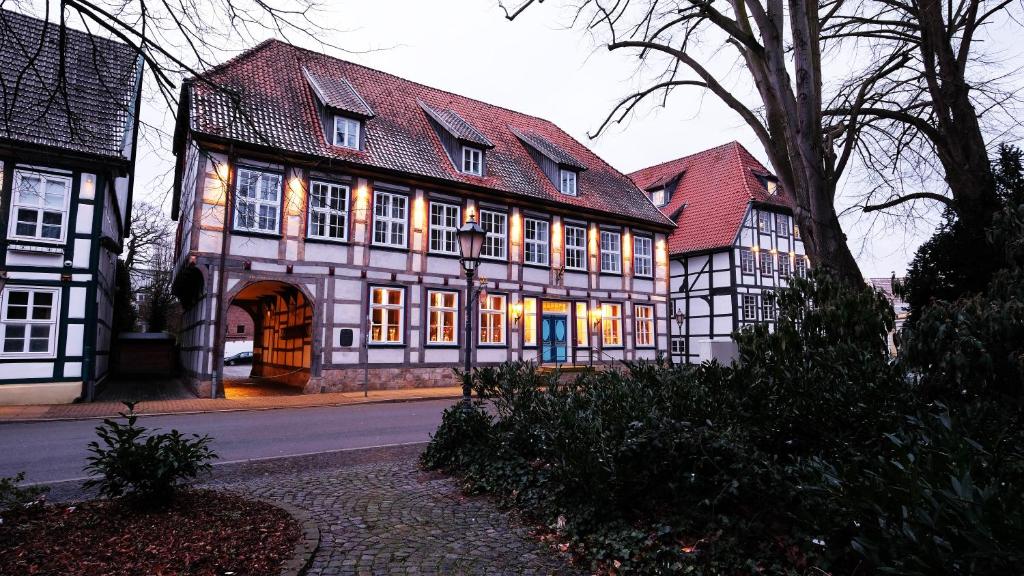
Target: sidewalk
point(45, 412)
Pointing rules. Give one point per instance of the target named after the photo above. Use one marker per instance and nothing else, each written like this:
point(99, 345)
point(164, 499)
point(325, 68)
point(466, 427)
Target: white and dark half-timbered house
point(322, 197)
point(735, 244)
point(67, 149)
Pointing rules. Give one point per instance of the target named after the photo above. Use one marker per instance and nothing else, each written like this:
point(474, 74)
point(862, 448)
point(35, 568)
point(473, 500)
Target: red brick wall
point(239, 324)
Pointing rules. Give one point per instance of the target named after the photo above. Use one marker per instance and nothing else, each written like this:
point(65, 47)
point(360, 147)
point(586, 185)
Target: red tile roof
point(714, 190)
point(277, 109)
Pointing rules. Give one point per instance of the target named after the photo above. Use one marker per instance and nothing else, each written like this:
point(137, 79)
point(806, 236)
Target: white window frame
point(443, 234)
point(643, 316)
point(573, 250)
point(265, 181)
point(486, 315)
point(349, 138)
point(608, 320)
point(764, 222)
point(659, 197)
point(678, 346)
point(327, 211)
point(40, 208)
point(747, 261)
point(748, 305)
point(440, 312)
point(472, 161)
point(800, 269)
point(643, 260)
point(610, 256)
point(567, 180)
point(783, 265)
point(391, 222)
point(536, 240)
point(52, 322)
point(781, 224)
point(769, 308)
point(766, 264)
point(384, 306)
point(494, 239)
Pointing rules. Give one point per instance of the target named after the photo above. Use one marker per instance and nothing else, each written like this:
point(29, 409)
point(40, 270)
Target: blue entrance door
point(554, 338)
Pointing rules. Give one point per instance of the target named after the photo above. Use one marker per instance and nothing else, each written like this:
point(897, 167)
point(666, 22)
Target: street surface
point(56, 451)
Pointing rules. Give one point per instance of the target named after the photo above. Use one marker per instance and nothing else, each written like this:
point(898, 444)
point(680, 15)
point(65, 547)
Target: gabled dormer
point(660, 191)
point(343, 112)
point(560, 167)
point(770, 183)
point(465, 145)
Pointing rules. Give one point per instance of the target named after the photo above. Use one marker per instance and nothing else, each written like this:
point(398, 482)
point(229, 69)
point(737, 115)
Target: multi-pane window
point(749, 303)
point(582, 325)
point(496, 241)
point(387, 315)
point(328, 211)
point(472, 160)
point(644, 329)
point(28, 321)
point(611, 324)
point(444, 224)
point(768, 306)
point(766, 262)
point(784, 267)
point(643, 256)
point(659, 197)
point(746, 261)
point(346, 132)
point(611, 252)
point(389, 219)
point(575, 247)
point(567, 182)
point(782, 224)
point(678, 345)
point(257, 201)
point(764, 221)
point(40, 206)
point(529, 321)
point(535, 241)
point(442, 314)
point(492, 319)
point(801, 266)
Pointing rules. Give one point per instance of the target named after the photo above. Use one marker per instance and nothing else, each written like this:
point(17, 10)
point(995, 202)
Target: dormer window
point(659, 197)
point(346, 132)
point(567, 178)
point(472, 161)
point(772, 186)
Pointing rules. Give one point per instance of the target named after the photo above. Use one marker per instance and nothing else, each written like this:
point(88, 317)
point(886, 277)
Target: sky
point(539, 66)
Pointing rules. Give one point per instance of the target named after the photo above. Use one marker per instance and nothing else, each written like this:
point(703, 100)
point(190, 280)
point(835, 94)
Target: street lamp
point(471, 241)
point(680, 317)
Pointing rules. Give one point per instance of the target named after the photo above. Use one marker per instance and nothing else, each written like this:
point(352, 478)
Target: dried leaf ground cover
point(202, 533)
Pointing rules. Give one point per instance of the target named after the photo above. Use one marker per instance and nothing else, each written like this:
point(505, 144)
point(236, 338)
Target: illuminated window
point(389, 219)
point(257, 201)
point(644, 330)
point(472, 160)
point(611, 324)
point(40, 206)
point(749, 307)
point(28, 322)
point(796, 232)
point(784, 267)
point(529, 321)
point(496, 242)
point(444, 223)
point(643, 256)
point(582, 325)
point(611, 252)
point(387, 315)
point(492, 319)
point(575, 248)
point(328, 211)
point(567, 182)
point(746, 261)
point(442, 312)
point(535, 241)
point(346, 132)
point(768, 306)
point(766, 263)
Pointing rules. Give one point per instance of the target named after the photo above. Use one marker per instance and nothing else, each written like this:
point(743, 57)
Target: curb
point(239, 409)
point(308, 543)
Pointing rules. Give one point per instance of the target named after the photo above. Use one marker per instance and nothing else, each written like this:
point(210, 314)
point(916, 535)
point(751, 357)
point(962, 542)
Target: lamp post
point(680, 317)
point(471, 241)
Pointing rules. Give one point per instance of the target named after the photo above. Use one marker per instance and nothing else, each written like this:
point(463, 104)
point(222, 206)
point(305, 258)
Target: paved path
point(54, 451)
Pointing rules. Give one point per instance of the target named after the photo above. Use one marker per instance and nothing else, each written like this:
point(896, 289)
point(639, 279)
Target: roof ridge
point(681, 158)
point(89, 35)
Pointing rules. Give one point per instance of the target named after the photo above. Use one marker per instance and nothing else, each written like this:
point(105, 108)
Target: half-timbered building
point(67, 148)
point(735, 244)
point(323, 198)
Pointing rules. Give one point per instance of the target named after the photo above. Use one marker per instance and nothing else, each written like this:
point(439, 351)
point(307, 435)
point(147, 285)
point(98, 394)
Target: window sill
point(446, 346)
point(491, 346)
point(256, 234)
point(389, 248)
point(38, 246)
point(385, 345)
point(615, 274)
point(447, 255)
point(538, 266)
point(335, 241)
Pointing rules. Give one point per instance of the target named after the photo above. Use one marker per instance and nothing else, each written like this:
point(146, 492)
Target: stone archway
point(282, 318)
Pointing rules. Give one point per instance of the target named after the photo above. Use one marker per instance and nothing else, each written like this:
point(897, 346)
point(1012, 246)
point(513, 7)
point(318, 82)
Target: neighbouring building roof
point(710, 192)
point(268, 102)
point(87, 108)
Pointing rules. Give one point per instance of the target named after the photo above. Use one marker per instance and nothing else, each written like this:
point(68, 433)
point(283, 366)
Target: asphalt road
point(56, 451)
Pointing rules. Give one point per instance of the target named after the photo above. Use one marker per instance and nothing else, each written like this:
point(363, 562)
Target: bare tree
point(150, 232)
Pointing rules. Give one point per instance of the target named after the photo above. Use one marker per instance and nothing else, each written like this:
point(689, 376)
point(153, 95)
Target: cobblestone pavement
point(383, 516)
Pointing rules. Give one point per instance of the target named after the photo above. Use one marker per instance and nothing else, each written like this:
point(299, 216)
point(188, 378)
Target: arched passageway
point(282, 318)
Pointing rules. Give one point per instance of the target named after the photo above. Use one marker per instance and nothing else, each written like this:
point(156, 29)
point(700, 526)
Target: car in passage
point(240, 358)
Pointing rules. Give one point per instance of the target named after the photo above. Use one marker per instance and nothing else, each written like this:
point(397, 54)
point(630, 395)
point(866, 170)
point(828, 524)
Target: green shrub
point(15, 497)
point(145, 467)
